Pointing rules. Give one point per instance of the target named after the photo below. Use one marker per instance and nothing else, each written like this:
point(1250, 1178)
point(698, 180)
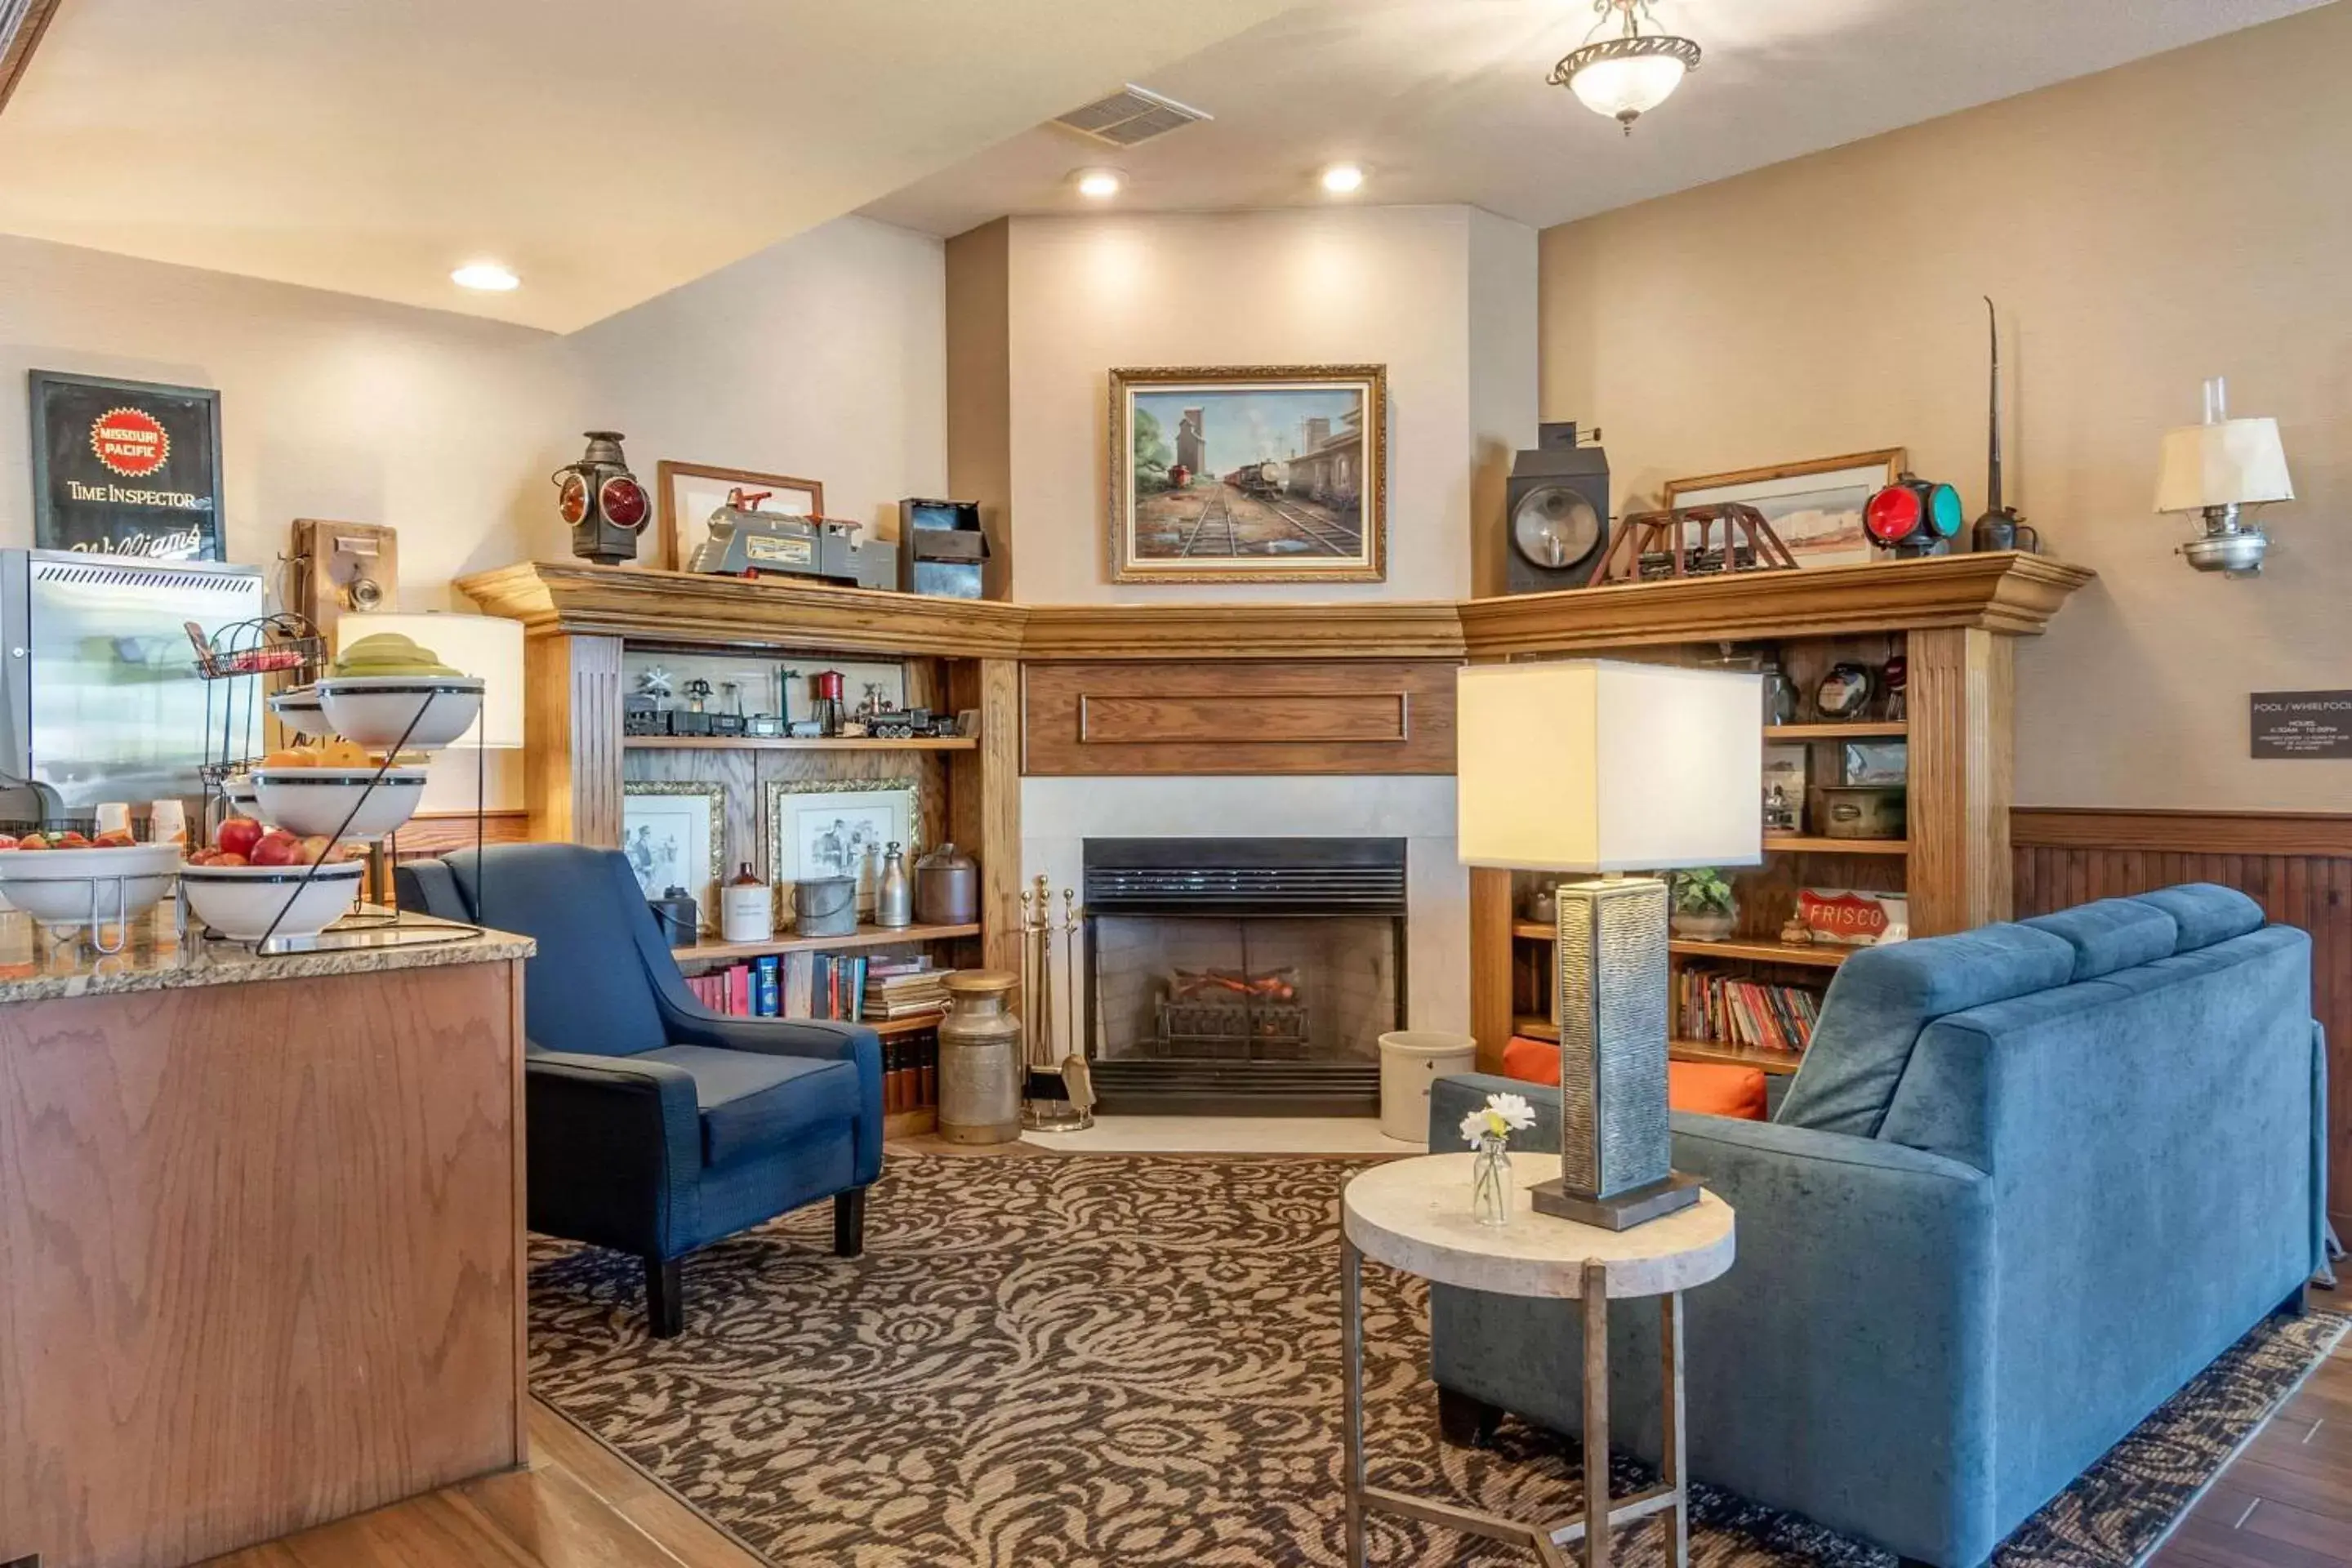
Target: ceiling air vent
point(1129, 116)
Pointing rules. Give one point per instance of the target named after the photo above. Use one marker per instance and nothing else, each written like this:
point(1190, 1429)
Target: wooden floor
point(579, 1505)
point(2287, 1500)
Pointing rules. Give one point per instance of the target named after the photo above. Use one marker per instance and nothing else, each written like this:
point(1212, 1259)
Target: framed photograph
point(1877, 762)
point(674, 833)
point(1815, 507)
point(688, 493)
point(1253, 474)
point(837, 827)
point(864, 685)
point(125, 468)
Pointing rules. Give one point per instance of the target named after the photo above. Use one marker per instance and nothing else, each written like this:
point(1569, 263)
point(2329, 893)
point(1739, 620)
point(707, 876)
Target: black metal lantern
point(602, 501)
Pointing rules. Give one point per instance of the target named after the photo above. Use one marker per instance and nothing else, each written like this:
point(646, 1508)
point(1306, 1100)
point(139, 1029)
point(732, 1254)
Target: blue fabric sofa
point(655, 1125)
point(2029, 1181)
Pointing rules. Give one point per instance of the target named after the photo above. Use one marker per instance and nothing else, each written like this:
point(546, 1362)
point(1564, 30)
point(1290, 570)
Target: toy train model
point(907, 724)
point(748, 543)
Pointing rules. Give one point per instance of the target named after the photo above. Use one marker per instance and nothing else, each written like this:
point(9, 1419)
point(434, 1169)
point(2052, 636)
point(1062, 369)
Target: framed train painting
point(1249, 474)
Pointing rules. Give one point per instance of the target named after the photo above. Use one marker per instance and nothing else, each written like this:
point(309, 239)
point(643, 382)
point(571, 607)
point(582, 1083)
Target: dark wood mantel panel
point(1239, 717)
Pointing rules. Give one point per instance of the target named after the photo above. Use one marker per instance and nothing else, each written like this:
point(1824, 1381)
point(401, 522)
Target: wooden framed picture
point(125, 468)
point(837, 827)
point(674, 833)
point(688, 493)
point(1249, 474)
point(1815, 507)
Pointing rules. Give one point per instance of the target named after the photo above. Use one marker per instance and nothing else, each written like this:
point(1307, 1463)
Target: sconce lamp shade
point(1597, 765)
point(489, 647)
point(2232, 462)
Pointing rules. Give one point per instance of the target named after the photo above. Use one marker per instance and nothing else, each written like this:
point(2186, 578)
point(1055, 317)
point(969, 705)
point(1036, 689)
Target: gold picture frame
point(1248, 474)
point(1814, 506)
point(655, 858)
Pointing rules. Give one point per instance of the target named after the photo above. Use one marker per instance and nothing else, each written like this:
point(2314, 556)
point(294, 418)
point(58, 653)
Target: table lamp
point(1595, 765)
point(2217, 469)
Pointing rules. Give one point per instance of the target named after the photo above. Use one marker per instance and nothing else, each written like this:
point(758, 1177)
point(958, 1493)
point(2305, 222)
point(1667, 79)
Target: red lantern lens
point(624, 502)
point(572, 499)
point(1893, 515)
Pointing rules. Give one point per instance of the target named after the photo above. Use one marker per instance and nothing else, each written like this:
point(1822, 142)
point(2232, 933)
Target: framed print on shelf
point(1249, 474)
point(688, 493)
point(674, 833)
point(837, 827)
point(1815, 507)
point(125, 468)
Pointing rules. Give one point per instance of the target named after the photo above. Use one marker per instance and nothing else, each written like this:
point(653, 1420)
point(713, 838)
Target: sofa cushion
point(1882, 998)
point(2205, 913)
point(751, 1102)
point(1710, 1088)
point(2111, 935)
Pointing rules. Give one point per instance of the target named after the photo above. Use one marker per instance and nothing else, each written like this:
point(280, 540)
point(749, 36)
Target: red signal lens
point(1894, 514)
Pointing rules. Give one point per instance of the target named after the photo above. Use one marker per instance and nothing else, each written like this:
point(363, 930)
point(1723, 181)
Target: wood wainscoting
point(1362, 716)
point(2297, 864)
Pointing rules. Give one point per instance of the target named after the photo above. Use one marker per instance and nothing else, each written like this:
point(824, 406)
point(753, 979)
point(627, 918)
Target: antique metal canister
point(980, 1072)
point(678, 916)
point(946, 888)
point(824, 906)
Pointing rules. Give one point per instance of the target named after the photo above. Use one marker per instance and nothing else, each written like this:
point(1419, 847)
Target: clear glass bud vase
point(1490, 1184)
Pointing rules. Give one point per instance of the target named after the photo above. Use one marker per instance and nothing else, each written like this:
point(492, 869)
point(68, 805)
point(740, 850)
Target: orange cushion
point(1717, 1090)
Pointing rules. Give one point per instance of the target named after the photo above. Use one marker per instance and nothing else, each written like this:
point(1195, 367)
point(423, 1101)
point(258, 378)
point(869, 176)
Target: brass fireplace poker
point(1043, 1111)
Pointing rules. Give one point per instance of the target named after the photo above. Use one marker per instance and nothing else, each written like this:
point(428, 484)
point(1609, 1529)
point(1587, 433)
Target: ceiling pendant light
point(1629, 75)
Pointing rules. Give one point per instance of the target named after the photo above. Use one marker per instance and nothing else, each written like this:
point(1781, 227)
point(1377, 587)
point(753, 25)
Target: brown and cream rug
point(1084, 1361)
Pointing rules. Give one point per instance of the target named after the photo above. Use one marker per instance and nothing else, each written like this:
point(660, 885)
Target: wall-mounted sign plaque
point(2303, 724)
point(126, 468)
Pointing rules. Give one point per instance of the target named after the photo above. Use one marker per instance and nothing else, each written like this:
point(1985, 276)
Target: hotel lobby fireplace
point(1242, 976)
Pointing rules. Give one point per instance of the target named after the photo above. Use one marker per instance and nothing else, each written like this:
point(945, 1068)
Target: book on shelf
point(1723, 1009)
point(835, 987)
point(910, 1074)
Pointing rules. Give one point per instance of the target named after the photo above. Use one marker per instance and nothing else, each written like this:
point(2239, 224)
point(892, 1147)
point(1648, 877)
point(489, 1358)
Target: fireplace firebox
point(1242, 976)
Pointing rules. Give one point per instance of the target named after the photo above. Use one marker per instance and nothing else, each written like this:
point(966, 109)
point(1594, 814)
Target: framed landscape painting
point(1249, 474)
point(1815, 506)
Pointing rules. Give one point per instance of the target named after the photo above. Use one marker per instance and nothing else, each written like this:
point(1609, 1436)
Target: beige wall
point(1383, 285)
point(2182, 217)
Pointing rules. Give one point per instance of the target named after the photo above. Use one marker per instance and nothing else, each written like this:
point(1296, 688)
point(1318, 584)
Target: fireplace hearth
point(1242, 976)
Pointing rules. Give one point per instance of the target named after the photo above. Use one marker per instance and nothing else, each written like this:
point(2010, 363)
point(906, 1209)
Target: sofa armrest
point(1842, 1368)
point(613, 1148)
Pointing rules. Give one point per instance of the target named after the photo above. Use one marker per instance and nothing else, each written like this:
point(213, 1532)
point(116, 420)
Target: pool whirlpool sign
point(125, 468)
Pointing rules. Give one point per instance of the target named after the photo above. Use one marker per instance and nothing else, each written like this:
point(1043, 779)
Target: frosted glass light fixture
point(1626, 76)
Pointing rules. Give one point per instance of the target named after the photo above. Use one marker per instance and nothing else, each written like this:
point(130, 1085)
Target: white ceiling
point(1445, 100)
point(607, 150)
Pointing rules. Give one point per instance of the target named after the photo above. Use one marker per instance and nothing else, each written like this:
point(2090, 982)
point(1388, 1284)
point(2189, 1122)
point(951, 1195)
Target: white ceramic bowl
point(375, 710)
point(239, 901)
point(245, 800)
point(300, 711)
point(56, 885)
point(305, 801)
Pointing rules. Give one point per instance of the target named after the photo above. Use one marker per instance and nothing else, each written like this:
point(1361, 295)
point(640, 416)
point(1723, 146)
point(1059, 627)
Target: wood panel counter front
point(261, 1239)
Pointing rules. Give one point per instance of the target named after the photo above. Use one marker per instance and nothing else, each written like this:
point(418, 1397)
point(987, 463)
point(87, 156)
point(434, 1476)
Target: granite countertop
point(36, 966)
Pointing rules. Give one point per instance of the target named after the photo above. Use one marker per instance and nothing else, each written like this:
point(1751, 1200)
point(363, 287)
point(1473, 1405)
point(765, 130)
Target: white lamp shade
point(2232, 462)
point(1597, 766)
point(1627, 85)
point(489, 647)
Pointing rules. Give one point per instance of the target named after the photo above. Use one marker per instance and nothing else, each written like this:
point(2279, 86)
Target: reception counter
point(260, 1238)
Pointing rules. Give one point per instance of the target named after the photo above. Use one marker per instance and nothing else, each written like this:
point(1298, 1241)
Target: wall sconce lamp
point(2216, 470)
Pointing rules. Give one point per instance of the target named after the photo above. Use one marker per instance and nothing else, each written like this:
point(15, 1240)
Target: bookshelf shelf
point(1812, 954)
point(1892, 730)
point(781, 744)
point(1808, 844)
point(891, 1028)
point(865, 936)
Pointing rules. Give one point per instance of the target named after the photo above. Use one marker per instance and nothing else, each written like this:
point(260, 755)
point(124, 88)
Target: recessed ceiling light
point(1099, 184)
point(487, 275)
point(1341, 179)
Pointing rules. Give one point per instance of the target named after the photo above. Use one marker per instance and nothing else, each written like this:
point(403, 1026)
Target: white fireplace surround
point(1059, 815)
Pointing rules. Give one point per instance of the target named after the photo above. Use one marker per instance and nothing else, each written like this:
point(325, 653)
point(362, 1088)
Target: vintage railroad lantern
point(602, 501)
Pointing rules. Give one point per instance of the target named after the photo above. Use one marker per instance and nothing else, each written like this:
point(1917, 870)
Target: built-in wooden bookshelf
point(716, 951)
point(786, 743)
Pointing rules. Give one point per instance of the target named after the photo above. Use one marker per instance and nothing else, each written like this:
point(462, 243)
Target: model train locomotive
point(748, 543)
point(907, 724)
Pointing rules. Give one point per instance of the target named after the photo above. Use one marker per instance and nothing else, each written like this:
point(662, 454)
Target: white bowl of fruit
point(66, 880)
point(298, 710)
point(355, 803)
point(387, 690)
point(254, 877)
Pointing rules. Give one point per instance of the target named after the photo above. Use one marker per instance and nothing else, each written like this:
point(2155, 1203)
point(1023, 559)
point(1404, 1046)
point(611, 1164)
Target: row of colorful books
point(786, 985)
point(911, 1073)
point(1717, 1007)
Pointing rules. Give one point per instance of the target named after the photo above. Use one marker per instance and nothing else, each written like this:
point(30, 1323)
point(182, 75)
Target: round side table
point(1414, 1215)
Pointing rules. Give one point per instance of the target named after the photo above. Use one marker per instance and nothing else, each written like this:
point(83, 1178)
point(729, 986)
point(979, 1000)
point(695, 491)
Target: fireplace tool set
point(1042, 1110)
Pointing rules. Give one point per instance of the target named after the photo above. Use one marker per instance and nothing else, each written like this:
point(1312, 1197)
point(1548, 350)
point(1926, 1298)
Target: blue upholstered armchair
point(656, 1126)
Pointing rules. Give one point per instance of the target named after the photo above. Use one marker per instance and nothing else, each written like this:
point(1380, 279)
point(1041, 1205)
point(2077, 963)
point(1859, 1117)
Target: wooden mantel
point(2002, 592)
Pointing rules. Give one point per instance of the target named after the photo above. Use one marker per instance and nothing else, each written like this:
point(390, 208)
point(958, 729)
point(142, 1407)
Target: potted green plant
point(1703, 909)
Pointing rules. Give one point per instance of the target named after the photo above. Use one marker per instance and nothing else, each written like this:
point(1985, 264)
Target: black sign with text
point(126, 468)
point(2303, 724)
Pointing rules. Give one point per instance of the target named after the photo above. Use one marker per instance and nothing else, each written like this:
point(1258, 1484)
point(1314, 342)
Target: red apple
point(238, 834)
point(276, 848)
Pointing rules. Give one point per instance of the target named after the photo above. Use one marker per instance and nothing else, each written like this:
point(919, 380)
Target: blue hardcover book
point(768, 987)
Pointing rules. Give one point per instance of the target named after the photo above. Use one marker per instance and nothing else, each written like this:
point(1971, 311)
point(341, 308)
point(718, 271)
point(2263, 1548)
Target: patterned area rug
point(1093, 1361)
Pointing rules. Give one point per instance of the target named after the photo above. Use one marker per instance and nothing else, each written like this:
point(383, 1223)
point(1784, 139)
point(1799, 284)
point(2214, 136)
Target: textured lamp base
point(1622, 1212)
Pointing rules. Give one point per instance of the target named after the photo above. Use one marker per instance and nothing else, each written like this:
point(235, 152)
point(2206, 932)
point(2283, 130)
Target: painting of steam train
point(1249, 474)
